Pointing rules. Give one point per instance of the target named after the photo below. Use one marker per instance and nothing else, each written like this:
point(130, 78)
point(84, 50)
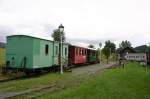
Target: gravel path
point(91, 68)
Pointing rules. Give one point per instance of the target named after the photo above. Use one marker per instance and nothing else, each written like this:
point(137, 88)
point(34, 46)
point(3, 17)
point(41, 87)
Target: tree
point(109, 48)
point(56, 35)
point(100, 44)
point(91, 46)
point(148, 48)
point(124, 44)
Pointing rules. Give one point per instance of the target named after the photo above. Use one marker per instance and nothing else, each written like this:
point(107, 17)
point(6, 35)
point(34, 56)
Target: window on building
point(46, 49)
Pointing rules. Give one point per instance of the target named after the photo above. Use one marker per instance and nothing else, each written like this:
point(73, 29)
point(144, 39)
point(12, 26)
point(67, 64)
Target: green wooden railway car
point(31, 53)
point(92, 56)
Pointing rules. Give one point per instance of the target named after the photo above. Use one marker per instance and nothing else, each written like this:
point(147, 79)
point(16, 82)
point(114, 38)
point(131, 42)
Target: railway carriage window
point(56, 49)
point(79, 51)
point(65, 51)
point(93, 53)
point(46, 49)
point(76, 51)
point(83, 52)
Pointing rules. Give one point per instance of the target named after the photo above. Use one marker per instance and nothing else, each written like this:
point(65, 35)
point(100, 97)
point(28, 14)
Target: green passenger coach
point(31, 53)
point(92, 56)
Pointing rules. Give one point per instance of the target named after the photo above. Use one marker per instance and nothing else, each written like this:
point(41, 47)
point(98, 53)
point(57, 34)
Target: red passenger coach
point(77, 55)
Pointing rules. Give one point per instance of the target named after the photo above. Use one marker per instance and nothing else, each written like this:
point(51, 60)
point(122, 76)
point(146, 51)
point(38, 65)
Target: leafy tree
point(91, 46)
point(148, 48)
point(124, 44)
point(100, 44)
point(56, 35)
point(109, 48)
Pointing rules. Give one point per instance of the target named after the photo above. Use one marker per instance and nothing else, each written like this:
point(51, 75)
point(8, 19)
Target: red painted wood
point(77, 55)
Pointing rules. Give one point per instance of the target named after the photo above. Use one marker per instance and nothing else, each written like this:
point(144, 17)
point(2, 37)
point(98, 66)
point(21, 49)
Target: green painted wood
point(19, 47)
point(42, 59)
point(34, 49)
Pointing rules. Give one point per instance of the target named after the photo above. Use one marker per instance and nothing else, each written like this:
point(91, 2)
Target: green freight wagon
point(31, 53)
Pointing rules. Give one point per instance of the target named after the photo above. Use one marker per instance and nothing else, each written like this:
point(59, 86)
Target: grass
point(30, 83)
point(133, 82)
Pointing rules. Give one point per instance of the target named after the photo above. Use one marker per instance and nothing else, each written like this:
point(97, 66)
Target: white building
point(141, 57)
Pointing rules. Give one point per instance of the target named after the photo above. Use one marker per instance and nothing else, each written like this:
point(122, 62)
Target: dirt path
point(91, 68)
point(78, 73)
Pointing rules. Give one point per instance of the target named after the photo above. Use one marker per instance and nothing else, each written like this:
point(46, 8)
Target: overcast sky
point(85, 21)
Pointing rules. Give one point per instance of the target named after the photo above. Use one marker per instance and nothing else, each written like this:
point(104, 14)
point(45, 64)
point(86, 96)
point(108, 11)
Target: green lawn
point(133, 82)
point(31, 83)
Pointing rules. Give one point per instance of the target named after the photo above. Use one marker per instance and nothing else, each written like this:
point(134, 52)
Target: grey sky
point(89, 21)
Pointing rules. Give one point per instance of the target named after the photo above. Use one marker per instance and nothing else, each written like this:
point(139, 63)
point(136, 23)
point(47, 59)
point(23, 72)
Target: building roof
point(126, 48)
point(34, 38)
point(82, 47)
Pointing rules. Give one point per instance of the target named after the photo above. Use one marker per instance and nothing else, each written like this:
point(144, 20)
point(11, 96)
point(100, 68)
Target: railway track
point(29, 92)
point(10, 79)
point(29, 76)
point(19, 77)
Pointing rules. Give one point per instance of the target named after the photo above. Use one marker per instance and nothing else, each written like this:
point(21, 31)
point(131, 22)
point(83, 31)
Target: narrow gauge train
point(31, 54)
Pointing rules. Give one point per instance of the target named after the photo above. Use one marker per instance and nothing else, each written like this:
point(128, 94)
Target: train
point(32, 54)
